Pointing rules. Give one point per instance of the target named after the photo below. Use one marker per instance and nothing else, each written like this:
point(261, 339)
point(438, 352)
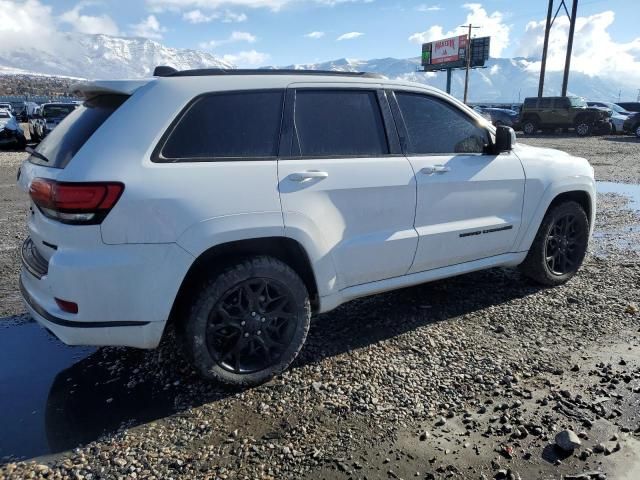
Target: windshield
point(53, 111)
point(66, 139)
point(577, 102)
point(616, 108)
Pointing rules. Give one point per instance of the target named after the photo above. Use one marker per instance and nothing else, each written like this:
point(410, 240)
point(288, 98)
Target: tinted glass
point(72, 133)
point(435, 127)
point(339, 123)
point(229, 125)
point(545, 103)
point(530, 102)
point(55, 111)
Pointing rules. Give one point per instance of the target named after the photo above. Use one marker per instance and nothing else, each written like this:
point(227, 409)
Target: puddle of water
point(55, 397)
point(30, 359)
point(629, 190)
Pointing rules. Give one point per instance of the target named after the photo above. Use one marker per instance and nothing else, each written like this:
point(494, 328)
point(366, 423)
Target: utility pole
point(567, 63)
point(545, 48)
point(468, 62)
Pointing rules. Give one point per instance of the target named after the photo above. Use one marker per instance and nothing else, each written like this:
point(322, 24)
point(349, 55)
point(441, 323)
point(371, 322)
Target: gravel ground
point(472, 377)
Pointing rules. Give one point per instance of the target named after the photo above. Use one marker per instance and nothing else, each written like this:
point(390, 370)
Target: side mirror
point(505, 139)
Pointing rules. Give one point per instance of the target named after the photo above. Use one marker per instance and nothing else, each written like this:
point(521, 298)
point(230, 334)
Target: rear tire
point(637, 131)
point(560, 245)
point(583, 128)
point(529, 127)
point(247, 323)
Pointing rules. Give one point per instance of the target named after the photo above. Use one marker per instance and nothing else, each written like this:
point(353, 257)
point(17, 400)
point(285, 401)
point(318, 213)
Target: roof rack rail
point(162, 71)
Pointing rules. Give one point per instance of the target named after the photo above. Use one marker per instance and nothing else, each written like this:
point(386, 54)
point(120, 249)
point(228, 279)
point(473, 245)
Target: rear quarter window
point(60, 146)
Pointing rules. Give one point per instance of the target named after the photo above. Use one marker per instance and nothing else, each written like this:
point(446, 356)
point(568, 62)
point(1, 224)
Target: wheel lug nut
point(258, 332)
point(253, 314)
point(246, 334)
point(243, 323)
point(263, 319)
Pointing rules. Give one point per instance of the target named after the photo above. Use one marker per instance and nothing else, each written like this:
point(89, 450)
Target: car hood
point(541, 152)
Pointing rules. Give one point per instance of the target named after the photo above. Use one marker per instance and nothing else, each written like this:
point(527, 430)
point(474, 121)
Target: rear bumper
point(124, 292)
point(124, 333)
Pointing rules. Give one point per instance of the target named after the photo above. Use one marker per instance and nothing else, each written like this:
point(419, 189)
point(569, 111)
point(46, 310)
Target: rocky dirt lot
point(480, 376)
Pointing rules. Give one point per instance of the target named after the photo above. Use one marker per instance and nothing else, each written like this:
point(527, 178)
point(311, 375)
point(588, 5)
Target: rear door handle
point(302, 177)
point(430, 170)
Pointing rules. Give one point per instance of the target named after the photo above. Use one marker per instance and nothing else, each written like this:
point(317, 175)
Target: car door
point(561, 112)
point(344, 182)
point(469, 203)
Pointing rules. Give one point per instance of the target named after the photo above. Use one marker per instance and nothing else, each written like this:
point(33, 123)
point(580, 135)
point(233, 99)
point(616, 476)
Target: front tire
point(560, 245)
point(248, 323)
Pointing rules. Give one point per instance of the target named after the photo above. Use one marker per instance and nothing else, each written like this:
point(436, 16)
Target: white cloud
point(594, 51)
point(314, 35)
point(148, 28)
point(178, 5)
point(428, 8)
point(89, 23)
point(349, 36)
point(249, 58)
point(197, 16)
point(491, 25)
point(233, 38)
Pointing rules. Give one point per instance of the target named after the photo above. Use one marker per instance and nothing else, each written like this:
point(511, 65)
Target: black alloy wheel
point(251, 325)
point(564, 247)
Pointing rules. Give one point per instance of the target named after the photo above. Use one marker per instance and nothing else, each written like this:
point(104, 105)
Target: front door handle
point(302, 177)
point(431, 169)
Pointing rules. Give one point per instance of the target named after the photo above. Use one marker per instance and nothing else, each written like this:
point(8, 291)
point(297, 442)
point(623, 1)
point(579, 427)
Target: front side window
point(228, 125)
point(435, 127)
point(338, 123)
point(577, 102)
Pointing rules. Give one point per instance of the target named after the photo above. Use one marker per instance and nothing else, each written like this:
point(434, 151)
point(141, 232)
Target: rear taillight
point(75, 203)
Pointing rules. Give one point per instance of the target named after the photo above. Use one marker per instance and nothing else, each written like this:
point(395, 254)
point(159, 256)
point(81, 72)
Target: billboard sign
point(448, 50)
point(452, 53)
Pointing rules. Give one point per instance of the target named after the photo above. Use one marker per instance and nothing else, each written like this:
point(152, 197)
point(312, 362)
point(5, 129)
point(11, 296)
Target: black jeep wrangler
point(550, 113)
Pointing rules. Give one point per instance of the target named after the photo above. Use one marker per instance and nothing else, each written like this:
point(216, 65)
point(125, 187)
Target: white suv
point(236, 204)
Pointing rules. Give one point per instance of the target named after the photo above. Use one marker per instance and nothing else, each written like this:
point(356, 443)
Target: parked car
point(480, 111)
point(632, 124)
point(617, 120)
point(563, 112)
point(630, 106)
point(249, 200)
point(503, 116)
point(48, 116)
point(10, 132)
point(6, 106)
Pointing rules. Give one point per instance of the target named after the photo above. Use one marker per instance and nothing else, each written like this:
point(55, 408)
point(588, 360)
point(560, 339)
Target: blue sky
point(276, 32)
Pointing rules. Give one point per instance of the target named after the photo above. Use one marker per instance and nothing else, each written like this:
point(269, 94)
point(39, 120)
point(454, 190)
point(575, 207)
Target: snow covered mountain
point(503, 80)
point(103, 56)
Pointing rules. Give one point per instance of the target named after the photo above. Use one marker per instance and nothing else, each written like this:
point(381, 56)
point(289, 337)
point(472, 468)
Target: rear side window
point(435, 127)
point(70, 135)
point(338, 123)
point(227, 125)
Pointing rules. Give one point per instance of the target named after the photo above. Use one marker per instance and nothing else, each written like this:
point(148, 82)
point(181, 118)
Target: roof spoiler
point(163, 71)
point(95, 88)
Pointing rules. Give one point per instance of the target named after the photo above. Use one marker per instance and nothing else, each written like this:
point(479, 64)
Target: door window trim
point(156, 155)
point(287, 139)
point(403, 132)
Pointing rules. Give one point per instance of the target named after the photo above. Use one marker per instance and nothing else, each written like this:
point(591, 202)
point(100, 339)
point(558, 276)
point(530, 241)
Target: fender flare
point(579, 183)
